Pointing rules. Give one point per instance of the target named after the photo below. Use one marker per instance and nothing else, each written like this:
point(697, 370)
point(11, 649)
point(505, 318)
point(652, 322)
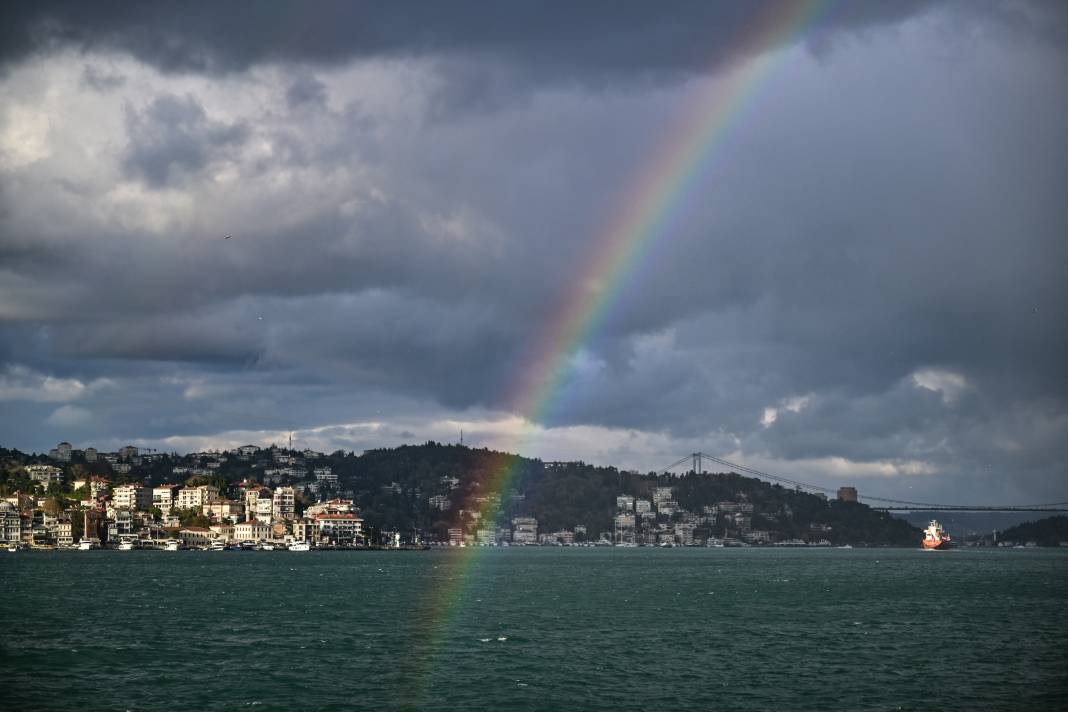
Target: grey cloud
point(101, 79)
point(306, 89)
point(173, 137)
point(892, 207)
point(585, 40)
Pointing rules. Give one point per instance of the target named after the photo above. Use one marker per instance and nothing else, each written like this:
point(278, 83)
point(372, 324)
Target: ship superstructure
point(934, 537)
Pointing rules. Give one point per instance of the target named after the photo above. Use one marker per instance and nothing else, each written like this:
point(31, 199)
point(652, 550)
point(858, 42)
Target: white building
point(225, 510)
point(339, 528)
point(661, 494)
point(667, 507)
point(252, 530)
point(325, 474)
point(285, 503)
point(259, 503)
point(624, 503)
point(196, 497)
point(45, 474)
point(440, 502)
point(131, 496)
point(164, 497)
point(333, 506)
point(10, 524)
point(525, 530)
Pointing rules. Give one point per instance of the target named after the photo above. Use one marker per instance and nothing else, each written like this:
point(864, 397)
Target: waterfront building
point(684, 533)
point(487, 536)
point(562, 537)
point(10, 524)
point(132, 496)
point(333, 506)
point(456, 536)
point(259, 503)
point(196, 536)
point(756, 536)
point(120, 525)
point(64, 533)
point(304, 529)
point(252, 530)
point(285, 503)
point(222, 532)
point(525, 530)
point(344, 529)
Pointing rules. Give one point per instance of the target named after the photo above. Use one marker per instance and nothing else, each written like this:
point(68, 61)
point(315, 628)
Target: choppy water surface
point(535, 629)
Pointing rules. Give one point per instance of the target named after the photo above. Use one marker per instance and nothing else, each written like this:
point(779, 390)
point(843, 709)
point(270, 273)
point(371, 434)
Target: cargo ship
point(934, 537)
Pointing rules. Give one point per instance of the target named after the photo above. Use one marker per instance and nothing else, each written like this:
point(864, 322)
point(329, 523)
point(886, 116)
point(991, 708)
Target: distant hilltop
point(430, 493)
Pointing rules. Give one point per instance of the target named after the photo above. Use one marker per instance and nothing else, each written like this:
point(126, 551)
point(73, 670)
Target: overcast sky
point(867, 285)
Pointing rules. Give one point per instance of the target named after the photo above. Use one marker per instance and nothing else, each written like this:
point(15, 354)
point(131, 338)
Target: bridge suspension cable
point(735, 467)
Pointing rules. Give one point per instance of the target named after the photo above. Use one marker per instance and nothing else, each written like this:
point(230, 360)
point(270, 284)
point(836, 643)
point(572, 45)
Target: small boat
point(217, 545)
point(126, 546)
point(300, 546)
point(267, 546)
point(171, 545)
point(87, 545)
point(12, 547)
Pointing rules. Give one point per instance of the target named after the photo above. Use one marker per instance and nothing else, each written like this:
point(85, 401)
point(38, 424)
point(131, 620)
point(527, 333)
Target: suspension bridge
point(697, 460)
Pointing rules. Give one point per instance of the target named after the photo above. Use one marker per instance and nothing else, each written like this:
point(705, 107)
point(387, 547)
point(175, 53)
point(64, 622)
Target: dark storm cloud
point(173, 137)
point(100, 79)
point(306, 89)
point(584, 40)
point(875, 256)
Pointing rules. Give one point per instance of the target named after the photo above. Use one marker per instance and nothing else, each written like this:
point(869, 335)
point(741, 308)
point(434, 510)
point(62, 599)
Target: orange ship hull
point(936, 544)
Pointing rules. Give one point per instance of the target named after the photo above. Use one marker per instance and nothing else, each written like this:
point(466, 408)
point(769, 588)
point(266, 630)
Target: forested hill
point(394, 486)
point(1050, 531)
point(431, 488)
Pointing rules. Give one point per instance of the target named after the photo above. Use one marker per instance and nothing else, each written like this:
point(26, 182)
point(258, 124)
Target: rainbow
point(646, 211)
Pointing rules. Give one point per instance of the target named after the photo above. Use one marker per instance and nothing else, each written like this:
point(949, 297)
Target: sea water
point(535, 629)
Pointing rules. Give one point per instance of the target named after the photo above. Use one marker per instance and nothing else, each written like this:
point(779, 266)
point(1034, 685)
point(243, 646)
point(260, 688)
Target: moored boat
point(300, 546)
point(934, 537)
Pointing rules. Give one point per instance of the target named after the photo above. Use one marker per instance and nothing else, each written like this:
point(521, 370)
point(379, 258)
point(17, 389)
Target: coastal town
point(432, 495)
